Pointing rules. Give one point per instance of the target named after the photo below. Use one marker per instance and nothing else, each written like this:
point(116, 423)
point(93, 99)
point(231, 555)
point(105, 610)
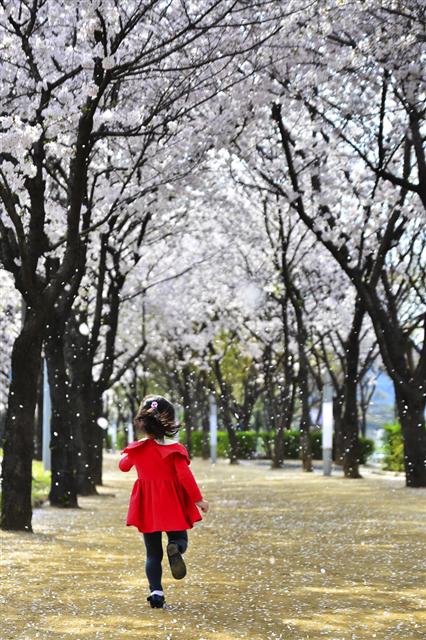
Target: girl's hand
point(203, 505)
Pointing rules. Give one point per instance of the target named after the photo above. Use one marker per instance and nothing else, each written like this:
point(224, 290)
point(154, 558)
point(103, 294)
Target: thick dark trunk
point(364, 410)
point(350, 426)
point(305, 421)
point(411, 410)
point(283, 422)
point(63, 491)
point(38, 432)
point(245, 421)
point(303, 376)
point(278, 451)
point(232, 437)
point(16, 510)
point(306, 452)
point(251, 393)
point(83, 439)
point(81, 400)
point(268, 407)
point(350, 429)
point(98, 438)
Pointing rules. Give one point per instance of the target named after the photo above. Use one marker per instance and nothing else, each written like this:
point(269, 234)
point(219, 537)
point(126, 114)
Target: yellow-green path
point(281, 555)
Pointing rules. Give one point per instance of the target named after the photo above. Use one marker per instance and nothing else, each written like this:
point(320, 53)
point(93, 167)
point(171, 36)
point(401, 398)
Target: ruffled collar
point(167, 445)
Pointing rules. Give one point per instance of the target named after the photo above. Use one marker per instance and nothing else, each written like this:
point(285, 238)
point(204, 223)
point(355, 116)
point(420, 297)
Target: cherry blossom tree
point(74, 132)
point(348, 118)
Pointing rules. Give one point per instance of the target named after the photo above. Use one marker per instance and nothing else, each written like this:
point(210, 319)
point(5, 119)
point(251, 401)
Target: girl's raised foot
point(177, 564)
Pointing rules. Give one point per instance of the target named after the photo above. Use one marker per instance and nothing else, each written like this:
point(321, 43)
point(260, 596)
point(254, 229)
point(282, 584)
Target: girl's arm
point(186, 479)
point(125, 463)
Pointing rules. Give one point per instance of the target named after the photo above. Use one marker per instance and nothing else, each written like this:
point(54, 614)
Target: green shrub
point(40, 485)
point(222, 444)
point(121, 440)
point(108, 440)
point(292, 445)
point(366, 449)
point(247, 441)
point(266, 442)
point(250, 442)
point(316, 442)
point(196, 441)
point(393, 448)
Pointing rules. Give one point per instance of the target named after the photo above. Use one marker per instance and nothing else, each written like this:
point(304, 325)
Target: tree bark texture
point(16, 509)
point(63, 492)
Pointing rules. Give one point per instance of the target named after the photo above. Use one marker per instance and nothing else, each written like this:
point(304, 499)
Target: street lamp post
point(327, 428)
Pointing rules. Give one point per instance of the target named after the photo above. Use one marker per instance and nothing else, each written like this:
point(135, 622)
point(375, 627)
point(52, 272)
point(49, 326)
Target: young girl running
point(165, 495)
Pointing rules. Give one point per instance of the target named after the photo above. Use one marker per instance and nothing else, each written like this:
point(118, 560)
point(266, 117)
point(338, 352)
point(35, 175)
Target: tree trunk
point(16, 510)
point(278, 451)
point(76, 349)
point(63, 492)
point(350, 431)
point(225, 407)
point(85, 480)
point(338, 435)
point(410, 389)
point(232, 436)
point(283, 421)
point(305, 421)
point(97, 433)
point(38, 434)
point(251, 392)
point(411, 415)
point(303, 376)
point(350, 426)
point(364, 409)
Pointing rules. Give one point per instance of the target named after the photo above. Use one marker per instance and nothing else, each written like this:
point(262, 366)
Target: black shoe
point(156, 601)
point(177, 564)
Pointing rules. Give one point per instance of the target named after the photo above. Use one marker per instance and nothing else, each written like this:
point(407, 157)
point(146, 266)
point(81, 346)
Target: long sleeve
point(125, 463)
point(186, 479)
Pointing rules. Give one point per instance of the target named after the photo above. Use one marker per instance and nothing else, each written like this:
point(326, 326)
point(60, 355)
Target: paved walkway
point(282, 555)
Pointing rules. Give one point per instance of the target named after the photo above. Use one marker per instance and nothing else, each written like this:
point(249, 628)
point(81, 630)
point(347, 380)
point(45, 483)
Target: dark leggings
point(154, 554)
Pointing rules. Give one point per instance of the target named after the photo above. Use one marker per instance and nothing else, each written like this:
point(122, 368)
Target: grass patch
point(40, 485)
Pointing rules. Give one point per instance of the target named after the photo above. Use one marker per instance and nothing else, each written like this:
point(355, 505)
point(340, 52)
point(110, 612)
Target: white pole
point(130, 431)
point(47, 409)
point(213, 430)
point(327, 428)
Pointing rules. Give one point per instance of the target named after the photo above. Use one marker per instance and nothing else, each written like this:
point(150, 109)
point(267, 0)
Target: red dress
point(164, 495)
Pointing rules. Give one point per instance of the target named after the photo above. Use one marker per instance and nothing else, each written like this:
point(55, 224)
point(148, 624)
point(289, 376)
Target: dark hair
point(156, 416)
